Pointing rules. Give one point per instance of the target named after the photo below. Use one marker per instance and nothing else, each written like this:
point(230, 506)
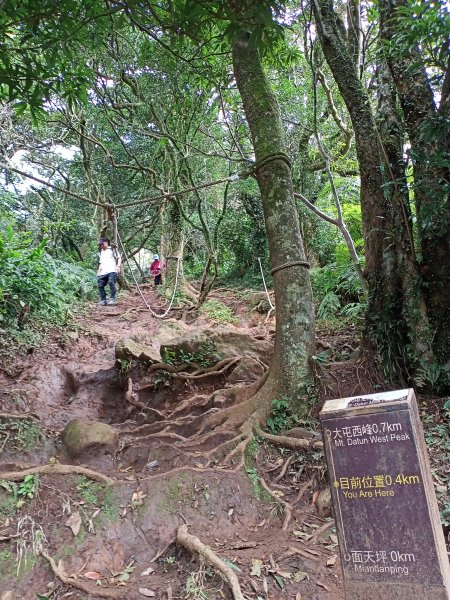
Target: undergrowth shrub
point(218, 311)
point(337, 289)
point(32, 283)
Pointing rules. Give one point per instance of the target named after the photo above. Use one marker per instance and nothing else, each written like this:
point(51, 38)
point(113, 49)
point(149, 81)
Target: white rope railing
point(272, 307)
point(166, 312)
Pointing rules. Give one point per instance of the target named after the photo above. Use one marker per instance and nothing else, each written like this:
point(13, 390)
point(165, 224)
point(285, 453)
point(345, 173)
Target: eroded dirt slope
point(110, 530)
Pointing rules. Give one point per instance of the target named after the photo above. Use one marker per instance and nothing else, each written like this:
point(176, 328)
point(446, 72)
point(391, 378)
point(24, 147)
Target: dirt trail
point(128, 529)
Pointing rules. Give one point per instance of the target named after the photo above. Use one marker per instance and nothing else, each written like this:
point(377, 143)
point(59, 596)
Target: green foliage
point(43, 50)
point(195, 586)
point(243, 239)
point(425, 25)
point(20, 434)
point(329, 306)
point(89, 490)
point(217, 311)
point(28, 487)
point(19, 494)
point(33, 285)
point(433, 377)
point(110, 507)
point(206, 356)
point(337, 289)
point(281, 417)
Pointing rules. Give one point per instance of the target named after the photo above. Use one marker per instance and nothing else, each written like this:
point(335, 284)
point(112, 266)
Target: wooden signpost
point(390, 537)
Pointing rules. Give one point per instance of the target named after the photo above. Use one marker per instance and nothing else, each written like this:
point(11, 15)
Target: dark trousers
point(103, 281)
point(158, 279)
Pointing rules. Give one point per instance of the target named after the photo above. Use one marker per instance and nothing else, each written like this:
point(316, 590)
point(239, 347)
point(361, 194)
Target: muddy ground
point(74, 535)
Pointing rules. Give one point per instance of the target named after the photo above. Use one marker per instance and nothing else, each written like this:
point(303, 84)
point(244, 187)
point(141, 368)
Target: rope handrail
point(156, 315)
point(265, 286)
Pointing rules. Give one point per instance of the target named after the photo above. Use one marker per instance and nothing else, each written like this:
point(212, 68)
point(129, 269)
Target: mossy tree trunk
point(393, 315)
point(414, 308)
point(172, 245)
point(428, 132)
point(294, 340)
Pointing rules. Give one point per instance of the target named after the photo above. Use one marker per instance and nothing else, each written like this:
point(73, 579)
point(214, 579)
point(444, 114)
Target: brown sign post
point(390, 537)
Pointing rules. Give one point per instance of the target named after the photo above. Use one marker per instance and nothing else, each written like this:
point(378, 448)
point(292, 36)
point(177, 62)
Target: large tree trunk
point(415, 314)
point(430, 143)
point(387, 238)
point(294, 339)
point(172, 246)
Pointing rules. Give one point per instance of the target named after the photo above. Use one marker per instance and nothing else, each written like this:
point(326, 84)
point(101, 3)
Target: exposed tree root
point(198, 401)
point(301, 492)
point(189, 291)
point(286, 506)
point(4, 415)
point(217, 369)
point(284, 469)
point(297, 551)
point(228, 429)
point(322, 529)
point(84, 587)
point(160, 366)
point(268, 315)
point(59, 470)
point(289, 442)
point(178, 373)
point(193, 544)
point(130, 397)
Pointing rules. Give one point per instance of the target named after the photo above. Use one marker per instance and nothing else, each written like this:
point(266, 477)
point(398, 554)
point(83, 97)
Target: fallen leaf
point(332, 560)
point(278, 493)
point(298, 596)
point(230, 512)
point(92, 575)
point(137, 499)
point(148, 571)
point(333, 538)
point(74, 522)
point(265, 586)
point(256, 567)
point(285, 574)
point(300, 576)
point(278, 580)
point(96, 511)
point(146, 592)
point(324, 586)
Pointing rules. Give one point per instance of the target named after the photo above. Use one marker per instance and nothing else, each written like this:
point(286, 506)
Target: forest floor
point(101, 521)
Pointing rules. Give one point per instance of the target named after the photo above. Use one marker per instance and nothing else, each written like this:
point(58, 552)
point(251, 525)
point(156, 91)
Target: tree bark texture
point(430, 144)
point(172, 244)
point(294, 341)
point(388, 243)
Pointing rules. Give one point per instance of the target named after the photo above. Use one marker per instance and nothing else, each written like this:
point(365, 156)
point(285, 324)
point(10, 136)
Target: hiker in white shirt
point(109, 263)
